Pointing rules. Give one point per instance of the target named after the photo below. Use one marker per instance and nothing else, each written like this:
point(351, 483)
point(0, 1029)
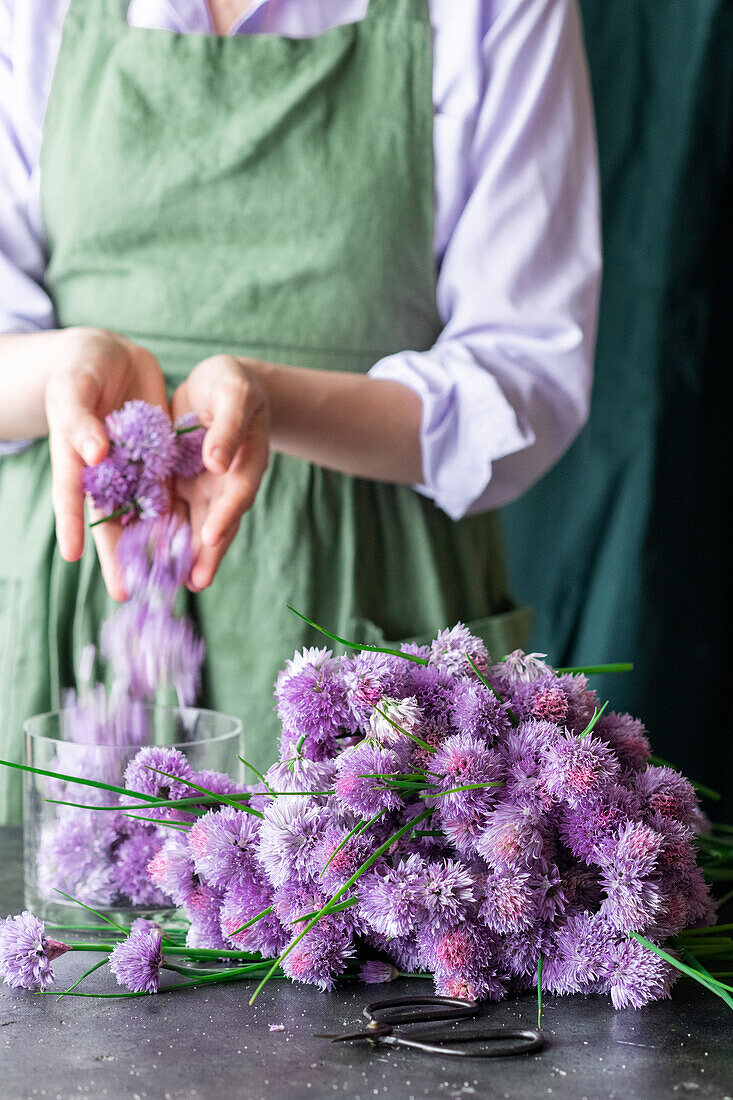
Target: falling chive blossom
point(26, 952)
point(155, 557)
point(145, 450)
point(466, 825)
point(137, 961)
point(187, 460)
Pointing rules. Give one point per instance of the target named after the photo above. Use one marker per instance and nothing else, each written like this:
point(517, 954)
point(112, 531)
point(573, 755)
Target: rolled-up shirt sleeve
point(24, 304)
point(506, 388)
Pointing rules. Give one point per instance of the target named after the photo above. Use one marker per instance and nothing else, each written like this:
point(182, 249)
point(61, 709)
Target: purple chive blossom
point(432, 688)
point(547, 892)
point(136, 962)
point(321, 956)
point(244, 900)
point(462, 761)
point(112, 484)
point(217, 783)
point(585, 826)
point(367, 678)
point(577, 956)
point(298, 773)
point(336, 858)
point(151, 500)
point(667, 793)
point(311, 699)
point(156, 557)
point(375, 972)
point(140, 460)
point(464, 958)
point(512, 839)
point(356, 786)
point(392, 719)
point(143, 433)
point(520, 668)
point(204, 911)
point(523, 751)
point(452, 648)
point(392, 900)
point(627, 737)
point(26, 952)
point(289, 832)
point(634, 976)
point(149, 772)
point(222, 844)
point(171, 870)
point(578, 767)
point(477, 712)
point(130, 868)
point(187, 458)
point(508, 903)
point(446, 893)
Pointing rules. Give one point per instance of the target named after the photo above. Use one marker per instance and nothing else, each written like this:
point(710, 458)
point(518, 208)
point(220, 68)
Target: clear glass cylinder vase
point(99, 857)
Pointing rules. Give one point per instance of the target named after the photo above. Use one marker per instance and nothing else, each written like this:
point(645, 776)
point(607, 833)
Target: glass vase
point(99, 857)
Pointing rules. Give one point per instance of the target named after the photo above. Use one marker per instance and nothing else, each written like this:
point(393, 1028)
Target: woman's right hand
point(96, 372)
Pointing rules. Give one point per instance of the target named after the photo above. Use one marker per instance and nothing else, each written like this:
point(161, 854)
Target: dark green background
point(621, 548)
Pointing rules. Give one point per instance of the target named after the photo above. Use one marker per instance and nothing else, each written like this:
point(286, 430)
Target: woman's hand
point(95, 372)
point(232, 403)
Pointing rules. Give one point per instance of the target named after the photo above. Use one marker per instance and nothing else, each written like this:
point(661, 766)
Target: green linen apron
point(266, 197)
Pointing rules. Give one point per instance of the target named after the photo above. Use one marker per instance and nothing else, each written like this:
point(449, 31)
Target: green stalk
point(358, 829)
point(593, 670)
point(540, 965)
point(342, 905)
point(412, 736)
point(86, 974)
point(82, 782)
point(357, 645)
point(204, 790)
point(466, 787)
point(249, 923)
point(340, 893)
point(712, 984)
point(95, 912)
point(113, 515)
point(596, 717)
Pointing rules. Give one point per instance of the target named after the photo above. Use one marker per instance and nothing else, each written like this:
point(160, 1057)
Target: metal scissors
point(385, 1017)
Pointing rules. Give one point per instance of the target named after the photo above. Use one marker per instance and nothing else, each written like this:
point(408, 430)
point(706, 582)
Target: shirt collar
point(186, 16)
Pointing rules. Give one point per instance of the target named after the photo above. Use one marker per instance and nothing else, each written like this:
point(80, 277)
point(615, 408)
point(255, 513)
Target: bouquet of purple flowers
point(491, 825)
point(432, 812)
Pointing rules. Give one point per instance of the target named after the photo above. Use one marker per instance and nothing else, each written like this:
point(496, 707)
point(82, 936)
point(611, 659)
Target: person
point(360, 239)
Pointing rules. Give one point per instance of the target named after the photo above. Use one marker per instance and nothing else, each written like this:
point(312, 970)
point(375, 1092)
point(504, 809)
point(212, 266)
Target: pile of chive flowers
point(490, 825)
point(145, 451)
point(100, 859)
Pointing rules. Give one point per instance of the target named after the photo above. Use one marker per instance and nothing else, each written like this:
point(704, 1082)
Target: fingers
point(208, 560)
point(70, 402)
point(239, 488)
point(106, 536)
point(76, 438)
point(67, 498)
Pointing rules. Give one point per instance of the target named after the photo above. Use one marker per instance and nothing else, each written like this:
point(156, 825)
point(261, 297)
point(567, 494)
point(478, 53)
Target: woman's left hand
point(233, 406)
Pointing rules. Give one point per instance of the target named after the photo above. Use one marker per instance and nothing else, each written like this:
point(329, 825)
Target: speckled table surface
point(210, 1043)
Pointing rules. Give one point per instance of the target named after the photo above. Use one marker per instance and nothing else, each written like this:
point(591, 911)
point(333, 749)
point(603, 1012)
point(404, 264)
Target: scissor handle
point(498, 1043)
point(397, 1010)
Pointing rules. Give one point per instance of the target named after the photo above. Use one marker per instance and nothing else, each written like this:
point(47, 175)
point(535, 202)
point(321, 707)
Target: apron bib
point(266, 197)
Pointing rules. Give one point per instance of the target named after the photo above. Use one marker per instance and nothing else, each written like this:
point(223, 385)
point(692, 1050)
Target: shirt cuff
point(467, 422)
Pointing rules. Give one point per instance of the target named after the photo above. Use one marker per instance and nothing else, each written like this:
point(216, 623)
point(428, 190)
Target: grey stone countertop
point(210, 1043)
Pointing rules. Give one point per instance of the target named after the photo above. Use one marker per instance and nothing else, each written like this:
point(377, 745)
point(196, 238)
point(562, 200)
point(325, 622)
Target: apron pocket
point(502, 633)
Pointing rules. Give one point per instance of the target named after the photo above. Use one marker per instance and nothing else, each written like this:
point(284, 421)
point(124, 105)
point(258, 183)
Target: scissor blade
point(348, 1038)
